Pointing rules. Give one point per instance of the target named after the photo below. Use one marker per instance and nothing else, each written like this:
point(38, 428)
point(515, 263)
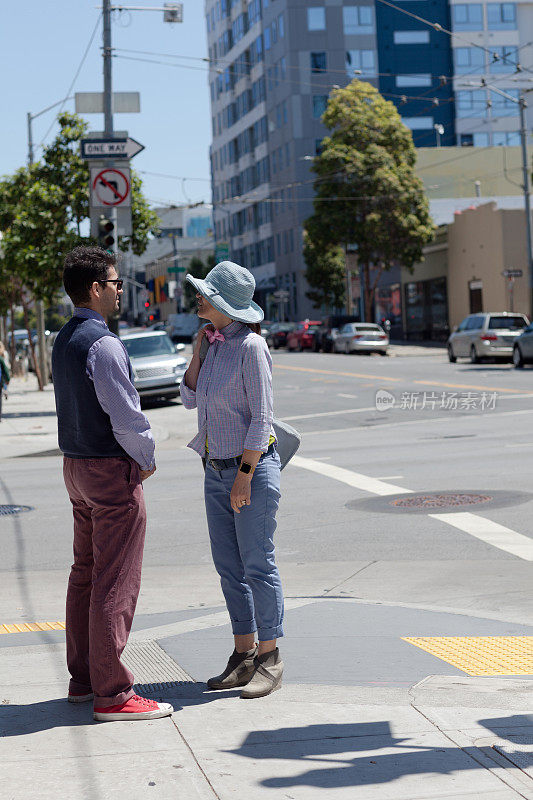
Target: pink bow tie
point(214, 337)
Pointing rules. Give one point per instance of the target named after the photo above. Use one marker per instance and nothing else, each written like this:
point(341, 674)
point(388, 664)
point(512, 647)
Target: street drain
point(445, 500)
point(154, 670)
point(7, 510)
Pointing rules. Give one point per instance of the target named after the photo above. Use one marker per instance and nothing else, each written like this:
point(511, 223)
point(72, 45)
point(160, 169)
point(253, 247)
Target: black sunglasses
point(118, 281)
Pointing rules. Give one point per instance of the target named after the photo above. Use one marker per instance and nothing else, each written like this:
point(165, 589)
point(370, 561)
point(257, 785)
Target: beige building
point(463, 272)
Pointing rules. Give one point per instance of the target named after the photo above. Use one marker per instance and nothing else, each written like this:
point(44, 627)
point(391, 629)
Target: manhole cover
point(445, 500)
point(5, 510)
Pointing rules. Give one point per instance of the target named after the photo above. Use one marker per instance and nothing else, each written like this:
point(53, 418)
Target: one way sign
point(110, 148)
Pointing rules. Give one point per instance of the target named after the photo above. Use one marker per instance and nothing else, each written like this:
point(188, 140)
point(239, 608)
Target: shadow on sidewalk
point(332, 746)
point(21, 720)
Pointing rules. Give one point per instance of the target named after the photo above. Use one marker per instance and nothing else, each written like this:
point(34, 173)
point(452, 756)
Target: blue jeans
point(243, 548)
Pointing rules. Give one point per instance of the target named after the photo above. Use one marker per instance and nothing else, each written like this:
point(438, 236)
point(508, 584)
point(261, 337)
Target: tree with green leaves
point(366, 191)
point(198, 269)
point(43, 209)
point(325, 274)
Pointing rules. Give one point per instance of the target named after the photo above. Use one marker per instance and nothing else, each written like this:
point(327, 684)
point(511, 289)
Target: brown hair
point(255, 327)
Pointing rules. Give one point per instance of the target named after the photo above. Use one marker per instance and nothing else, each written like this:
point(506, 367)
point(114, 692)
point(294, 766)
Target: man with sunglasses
point(108, 451)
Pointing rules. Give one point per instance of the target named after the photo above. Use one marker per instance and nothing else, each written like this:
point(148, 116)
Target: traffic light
point(106, 233)
point(147, 304)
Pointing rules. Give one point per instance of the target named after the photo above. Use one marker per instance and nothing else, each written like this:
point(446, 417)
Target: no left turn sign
point(110, 187)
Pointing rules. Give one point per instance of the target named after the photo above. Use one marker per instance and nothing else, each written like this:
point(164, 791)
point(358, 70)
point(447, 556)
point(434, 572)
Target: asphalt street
point(405, 517)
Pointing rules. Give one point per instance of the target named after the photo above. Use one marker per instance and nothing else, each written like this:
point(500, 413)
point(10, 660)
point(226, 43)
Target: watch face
point(246, 468)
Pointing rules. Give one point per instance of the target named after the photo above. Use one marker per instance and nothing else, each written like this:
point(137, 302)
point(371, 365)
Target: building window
point(283, 67)
point(470, 103)
point(418, 123)
point(316, 18)
point(320, 102)
point(467, 17)
point(501, 16)
point(413, 80)
point(358, 19)
point(468, 59)
point(266, 38)
point(281, 26)
point(274, 29)
point(509, 138)
point(504, 59)
point(359, 61)
point(504, 106)
point(481, 139)
point(411, 37)
point(318, 62)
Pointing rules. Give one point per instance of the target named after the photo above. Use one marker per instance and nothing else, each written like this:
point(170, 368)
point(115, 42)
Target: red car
point(303, 337)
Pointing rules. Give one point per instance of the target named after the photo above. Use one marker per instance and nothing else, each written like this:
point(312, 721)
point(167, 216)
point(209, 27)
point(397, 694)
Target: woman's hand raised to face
point(200, 338)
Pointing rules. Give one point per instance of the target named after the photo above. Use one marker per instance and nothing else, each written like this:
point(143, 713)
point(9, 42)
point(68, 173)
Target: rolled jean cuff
point(117, 700)
point(243, 628)
point(266, 634)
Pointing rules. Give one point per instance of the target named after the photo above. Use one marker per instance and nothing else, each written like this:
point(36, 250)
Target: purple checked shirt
point(108, 368)
point(233, 395)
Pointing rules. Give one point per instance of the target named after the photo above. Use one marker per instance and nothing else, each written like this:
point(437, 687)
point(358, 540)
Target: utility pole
point(527, 199)
point(39, 304)
point(108, 80)
point(522, 105)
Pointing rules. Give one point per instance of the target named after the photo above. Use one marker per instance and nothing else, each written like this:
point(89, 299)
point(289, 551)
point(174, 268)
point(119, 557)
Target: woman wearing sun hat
point(232, 390)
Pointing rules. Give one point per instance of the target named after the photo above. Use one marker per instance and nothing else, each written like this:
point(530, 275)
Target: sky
point(42, 43)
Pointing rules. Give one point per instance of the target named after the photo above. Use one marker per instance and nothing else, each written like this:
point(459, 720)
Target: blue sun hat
point(230, 288)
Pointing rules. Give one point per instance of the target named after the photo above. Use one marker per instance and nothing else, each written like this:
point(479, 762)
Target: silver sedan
point(158, 368)
point(361, 337)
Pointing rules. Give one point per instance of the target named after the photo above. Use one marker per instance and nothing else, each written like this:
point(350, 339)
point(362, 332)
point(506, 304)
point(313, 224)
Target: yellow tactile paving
point(31, 627)
point(481, 655)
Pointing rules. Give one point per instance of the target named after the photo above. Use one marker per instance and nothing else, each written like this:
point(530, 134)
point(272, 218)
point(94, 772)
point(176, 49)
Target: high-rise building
point(275, 63)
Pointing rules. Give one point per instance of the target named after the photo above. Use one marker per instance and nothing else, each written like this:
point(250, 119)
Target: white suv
point(488, 335)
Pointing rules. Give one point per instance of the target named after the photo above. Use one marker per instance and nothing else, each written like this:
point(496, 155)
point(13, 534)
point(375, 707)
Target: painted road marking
point(490, 532)
point(481, 655)
point(420, 420)
point(377, 378)
point(348, 396)
point(31, 627)
point(487, 531)
point(355, 479)
point(329, 413)
point(335, 372)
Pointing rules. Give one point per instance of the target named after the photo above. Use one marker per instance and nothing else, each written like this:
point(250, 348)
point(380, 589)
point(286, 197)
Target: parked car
point(329, 330)
point(303, 336)
point(362, 337)
point(490, 334)
point(158, 367)
point(277, 335)
point(523, 348)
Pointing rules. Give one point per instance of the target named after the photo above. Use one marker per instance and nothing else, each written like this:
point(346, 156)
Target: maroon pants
point(109, 528)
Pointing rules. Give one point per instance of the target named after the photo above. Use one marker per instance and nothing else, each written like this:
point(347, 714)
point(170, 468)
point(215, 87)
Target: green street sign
point(177, 269)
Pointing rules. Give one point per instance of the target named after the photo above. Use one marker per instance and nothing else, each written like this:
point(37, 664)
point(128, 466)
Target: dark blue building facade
point(416, 68)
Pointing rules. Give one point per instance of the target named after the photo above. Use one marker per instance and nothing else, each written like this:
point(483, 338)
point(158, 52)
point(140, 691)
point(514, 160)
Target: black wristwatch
point(246, 468)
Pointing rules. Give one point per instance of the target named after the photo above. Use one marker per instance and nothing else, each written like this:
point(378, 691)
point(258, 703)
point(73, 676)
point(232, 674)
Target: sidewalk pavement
point(29, 422)
point(338, 729)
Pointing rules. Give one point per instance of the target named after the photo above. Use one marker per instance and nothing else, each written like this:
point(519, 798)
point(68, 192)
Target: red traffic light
point(147, 305)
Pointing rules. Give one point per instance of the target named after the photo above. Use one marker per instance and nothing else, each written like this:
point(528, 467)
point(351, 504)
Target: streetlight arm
point(49, 108)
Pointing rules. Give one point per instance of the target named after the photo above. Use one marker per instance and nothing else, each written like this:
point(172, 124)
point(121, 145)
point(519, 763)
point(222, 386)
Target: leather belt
point(230, 463)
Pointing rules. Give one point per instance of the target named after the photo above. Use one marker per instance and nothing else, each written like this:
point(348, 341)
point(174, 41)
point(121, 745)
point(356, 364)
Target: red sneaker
point(79, 698)
point(135, 708)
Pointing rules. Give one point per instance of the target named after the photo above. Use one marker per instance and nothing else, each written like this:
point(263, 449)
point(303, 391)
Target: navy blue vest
point(84, 428)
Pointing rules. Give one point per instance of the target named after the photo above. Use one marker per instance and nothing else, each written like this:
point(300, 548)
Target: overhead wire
point(68, 94)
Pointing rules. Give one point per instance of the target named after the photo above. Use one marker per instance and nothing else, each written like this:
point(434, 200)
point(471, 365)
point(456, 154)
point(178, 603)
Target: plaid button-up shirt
point(233, 395)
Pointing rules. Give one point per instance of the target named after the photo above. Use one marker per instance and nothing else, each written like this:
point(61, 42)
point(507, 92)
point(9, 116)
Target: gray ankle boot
point(267, 675)
point(238, 672)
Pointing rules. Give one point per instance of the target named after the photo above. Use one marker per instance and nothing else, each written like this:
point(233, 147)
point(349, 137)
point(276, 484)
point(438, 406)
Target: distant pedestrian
point(5, 375)
point(232, 391)
point(108, 451)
